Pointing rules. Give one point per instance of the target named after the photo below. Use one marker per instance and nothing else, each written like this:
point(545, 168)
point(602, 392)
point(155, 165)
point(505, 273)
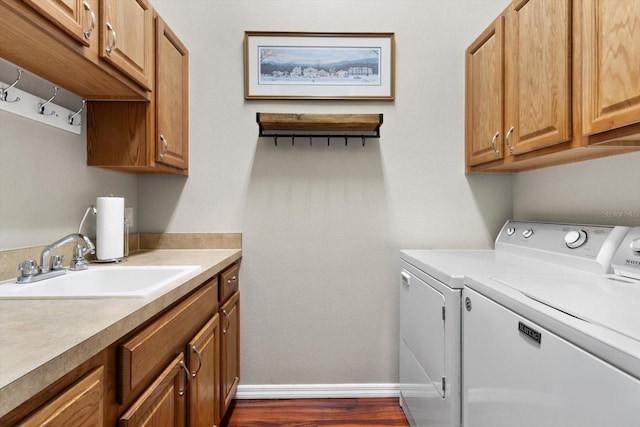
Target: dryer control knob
point(635, 244)
point(527, 233)
point(575, 238)
point(510, 231)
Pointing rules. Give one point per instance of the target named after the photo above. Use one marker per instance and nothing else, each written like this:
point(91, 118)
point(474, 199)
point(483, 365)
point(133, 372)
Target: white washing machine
point(555, 351)
point(431, 287)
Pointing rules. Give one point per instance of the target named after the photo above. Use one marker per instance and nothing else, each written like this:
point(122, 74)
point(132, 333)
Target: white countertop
point(42, 340)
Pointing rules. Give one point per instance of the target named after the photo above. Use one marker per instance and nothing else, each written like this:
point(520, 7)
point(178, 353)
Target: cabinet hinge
point(444, 385)
point(443, 312)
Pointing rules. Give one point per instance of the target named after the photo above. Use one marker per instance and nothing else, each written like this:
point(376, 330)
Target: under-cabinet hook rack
point(5, 91)
point(33, 107)
point(310, 126)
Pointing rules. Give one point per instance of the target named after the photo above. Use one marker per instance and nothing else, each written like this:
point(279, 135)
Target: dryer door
point(422, 326)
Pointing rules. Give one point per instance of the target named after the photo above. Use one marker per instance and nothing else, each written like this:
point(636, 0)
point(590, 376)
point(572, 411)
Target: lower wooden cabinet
point(80, 405)
point(181, 368)
point(203, 360)
point(230, 350)
point(164, 402)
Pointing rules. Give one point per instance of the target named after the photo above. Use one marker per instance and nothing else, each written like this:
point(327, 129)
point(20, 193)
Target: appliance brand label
point(530, 333)
point(633, 262)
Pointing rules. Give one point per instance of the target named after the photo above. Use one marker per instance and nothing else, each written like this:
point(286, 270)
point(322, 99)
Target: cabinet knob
point(226, 316)
point(506, 138)
point(165, 146)
point(233, 279)
point(194, 349)
point(188, 376)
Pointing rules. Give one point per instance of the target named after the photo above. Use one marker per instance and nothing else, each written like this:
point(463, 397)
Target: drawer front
point(229, 282)
point(143, 356)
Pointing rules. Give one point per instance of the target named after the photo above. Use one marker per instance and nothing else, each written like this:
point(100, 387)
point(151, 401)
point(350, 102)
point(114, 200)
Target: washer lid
point(609, 301)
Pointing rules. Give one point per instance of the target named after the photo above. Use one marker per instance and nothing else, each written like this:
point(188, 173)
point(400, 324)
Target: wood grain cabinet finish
point(163, 403)
point(537, 75)
point(552, 82)
point(80, 405)
point(203, 360)
point(126, 38)
point(518, 77)
point(171, 98)
point(77, 17)
point(611, 68)
point(230, 350)
point(146, 137)
point(485, 96)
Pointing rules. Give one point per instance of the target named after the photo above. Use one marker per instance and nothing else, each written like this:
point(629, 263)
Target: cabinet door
point(163, 403)
point(537, 75)
point(484, 94)
point(611, 68)
point(76, 17)
point(172, 98)
point(203, 361)
point(126, 37)
point(81, 405)
point(230, 350)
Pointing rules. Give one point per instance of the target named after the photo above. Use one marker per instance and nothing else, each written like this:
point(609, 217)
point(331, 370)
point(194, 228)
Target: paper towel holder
point(92, 209)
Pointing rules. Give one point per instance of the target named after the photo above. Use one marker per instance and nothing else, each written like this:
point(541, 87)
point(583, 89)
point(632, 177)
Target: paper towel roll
point(109, 227)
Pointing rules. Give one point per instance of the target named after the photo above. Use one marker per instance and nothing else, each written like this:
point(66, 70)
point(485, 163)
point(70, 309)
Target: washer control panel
point(576, 244)
point(626, 261)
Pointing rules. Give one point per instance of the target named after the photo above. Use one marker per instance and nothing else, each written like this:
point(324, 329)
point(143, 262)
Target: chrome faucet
point(78, 262)
point(51, 266)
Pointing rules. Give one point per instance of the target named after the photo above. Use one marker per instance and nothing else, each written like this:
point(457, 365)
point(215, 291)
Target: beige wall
point(322, 226)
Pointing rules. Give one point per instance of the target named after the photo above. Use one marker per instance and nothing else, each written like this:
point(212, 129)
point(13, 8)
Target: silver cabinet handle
point(199, 356)
point(165, 146)
point(509, 132)
point(493, 144)
point(92, 25)
point(114, 39)
point(406, 278)
point(226, 316)
point(233, 279)
point(188, 375)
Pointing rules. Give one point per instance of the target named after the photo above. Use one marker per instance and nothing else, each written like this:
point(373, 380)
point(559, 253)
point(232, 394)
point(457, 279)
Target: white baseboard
point(308, 391)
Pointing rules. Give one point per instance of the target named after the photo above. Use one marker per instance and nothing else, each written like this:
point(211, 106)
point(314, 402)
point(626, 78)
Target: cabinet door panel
point(230, 350)
point(172, 98)
point(72, 16)
point(131, 49)
point(163, 403)
point(537, 75)
point(611, 74)
point(81, 405)
point(204, 364)
point(484, 96)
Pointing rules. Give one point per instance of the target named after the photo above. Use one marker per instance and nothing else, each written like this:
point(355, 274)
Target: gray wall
point(322, 226)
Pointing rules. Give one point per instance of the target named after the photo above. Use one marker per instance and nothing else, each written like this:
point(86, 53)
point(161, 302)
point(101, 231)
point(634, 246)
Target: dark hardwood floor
point(382, 412)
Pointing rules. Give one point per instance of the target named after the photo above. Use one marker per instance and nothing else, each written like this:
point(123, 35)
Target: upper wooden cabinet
point(47, 38)
point(77, 17)
point(611, 67)
point(172, 98)
point(537, 75)
point(485, 96)
point(150, 137)
point(528, 83)
point(126, 38)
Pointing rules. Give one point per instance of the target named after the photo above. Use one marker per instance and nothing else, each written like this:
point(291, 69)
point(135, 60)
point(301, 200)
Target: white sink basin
point(99, 282)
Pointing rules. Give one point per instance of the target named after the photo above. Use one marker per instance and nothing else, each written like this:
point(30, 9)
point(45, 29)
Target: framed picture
point(290, 65)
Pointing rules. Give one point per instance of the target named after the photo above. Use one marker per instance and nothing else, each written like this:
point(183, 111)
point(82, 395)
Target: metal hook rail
point(5, 91)
point(310, 126)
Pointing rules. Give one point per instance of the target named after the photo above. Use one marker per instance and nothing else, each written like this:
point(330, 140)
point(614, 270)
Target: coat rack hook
point(293, 140)
point(310, 141)
point(363, 139)
point(346, 140)
point(73, 116)
point(275, 139)
point(41, 105)
point(328, 141)
point(5, 91)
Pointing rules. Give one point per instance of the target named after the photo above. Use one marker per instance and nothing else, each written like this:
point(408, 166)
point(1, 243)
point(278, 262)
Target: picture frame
point(333, 66)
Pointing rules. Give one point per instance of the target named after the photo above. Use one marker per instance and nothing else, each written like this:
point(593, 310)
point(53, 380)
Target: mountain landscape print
point(323, 66)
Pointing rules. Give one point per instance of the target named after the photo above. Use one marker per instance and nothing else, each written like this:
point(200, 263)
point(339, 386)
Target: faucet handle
point(56, 262)
point(28, 267)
